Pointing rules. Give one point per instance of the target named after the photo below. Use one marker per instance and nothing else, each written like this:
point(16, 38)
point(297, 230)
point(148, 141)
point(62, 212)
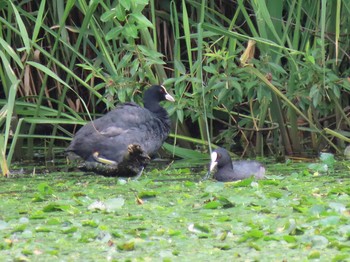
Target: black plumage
point(228, 170)
point(121, 142)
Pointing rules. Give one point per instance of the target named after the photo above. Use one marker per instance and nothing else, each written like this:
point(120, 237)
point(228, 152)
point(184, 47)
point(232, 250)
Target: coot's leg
point(103, 160)
point(138, 174)
point(207, 176)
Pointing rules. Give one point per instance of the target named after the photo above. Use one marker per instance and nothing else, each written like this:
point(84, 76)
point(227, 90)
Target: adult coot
point(232, 171)
point(121, 142)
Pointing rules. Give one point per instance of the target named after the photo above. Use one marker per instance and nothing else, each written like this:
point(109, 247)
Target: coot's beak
point(167, 96)
point(213, 163)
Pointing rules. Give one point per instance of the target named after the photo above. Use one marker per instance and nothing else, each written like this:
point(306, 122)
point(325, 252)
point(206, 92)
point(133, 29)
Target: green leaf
point(243, 183)
point(212, 205)
point(42, 229)
point(130, 30)
point(45, 189)
point(210, 69)
point(225, 202)
point(223, 94)
point(279, 69)
point(14, 55)
point(126, 4)
point(134, 67)
point(108, 15)
point(154, 61)
point(53, 207)
point(290, 239)
point(120, 13)
point(8, 68)
point(184, 152)
point(124, 62)
point(314, 254)
point(69, 230)
point(22, 29)
point(127, 246)
point(142, 20)
point(180, 115)
point(39, 214)
point(19, 228)
point(39, 21)
point(179, 66)
point(214, 187)
point(114, 33)
point(141, 2)
point(201, 227)
point(147, 194)
point(38, 197)
point(90, 223)
point(327, 158)
point(149, 52)
point(114, 204)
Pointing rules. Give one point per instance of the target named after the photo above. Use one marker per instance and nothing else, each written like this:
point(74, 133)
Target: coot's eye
point(219, 156)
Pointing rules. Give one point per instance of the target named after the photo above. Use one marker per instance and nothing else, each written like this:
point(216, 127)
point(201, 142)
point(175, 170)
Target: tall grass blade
point(3, 163)
point(39, 21)
point(22, 29)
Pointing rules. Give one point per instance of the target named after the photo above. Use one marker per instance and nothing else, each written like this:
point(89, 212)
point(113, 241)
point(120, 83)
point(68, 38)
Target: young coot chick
point(121, 142)
point(232, 171)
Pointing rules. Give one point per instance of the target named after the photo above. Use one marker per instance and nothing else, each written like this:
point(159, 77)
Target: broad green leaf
point(210, 69)
point(212, 205)
point(180, 115)
point(127, 246)
point(69, 230)
point(114, 33)
point(147, 194)
point(120, 13)
point(114, 204)
point(214, 187)
point(149, 52)
point(183, 152)
point(22, 28)
point(179, 66)
point(9, 50)
point(45, 189)
point(108, 15)
point(39, 21)
point(43, 229)
point(142, 20)
point(130, 30)
point(126, 4)
point(53, 207)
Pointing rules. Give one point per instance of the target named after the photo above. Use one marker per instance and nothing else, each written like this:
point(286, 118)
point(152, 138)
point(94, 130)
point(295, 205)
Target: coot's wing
point(124, 116)
point(243, 169)
point(116, 122)
point(111, 134)
point(149, 135)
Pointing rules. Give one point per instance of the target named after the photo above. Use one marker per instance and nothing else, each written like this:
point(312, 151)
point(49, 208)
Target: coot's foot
point(139, 174)
point(207, 176)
